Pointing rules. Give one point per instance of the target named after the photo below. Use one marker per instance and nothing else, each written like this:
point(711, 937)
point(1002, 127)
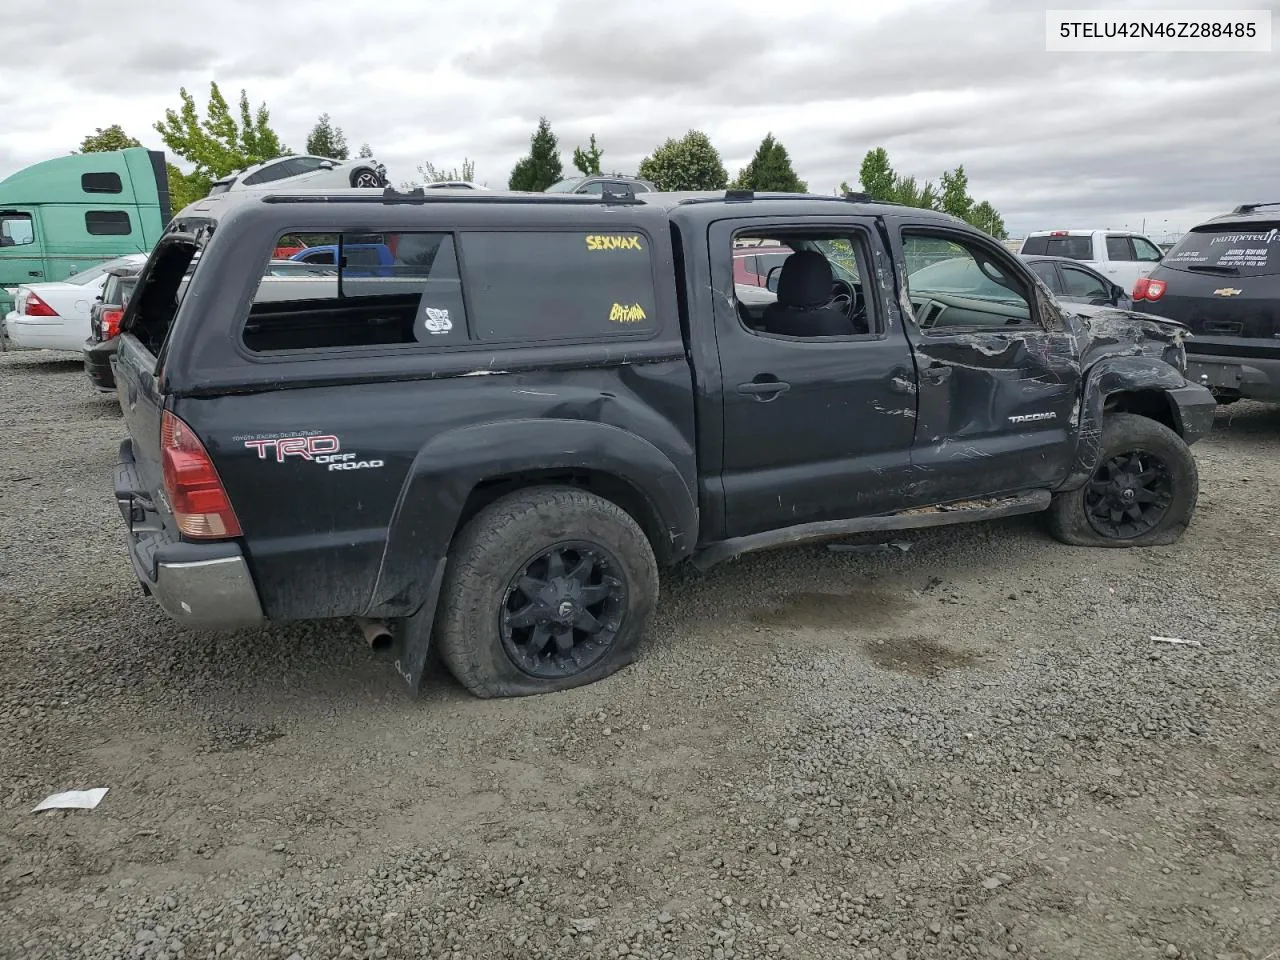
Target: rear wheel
point(547, 589)
point(1142, 492)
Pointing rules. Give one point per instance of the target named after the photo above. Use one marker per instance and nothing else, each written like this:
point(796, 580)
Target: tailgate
point(1225, 314)
point(142, 405)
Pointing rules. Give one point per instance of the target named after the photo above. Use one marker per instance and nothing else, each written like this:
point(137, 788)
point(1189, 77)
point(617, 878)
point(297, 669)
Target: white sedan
point(305, 172)
point(55, 316)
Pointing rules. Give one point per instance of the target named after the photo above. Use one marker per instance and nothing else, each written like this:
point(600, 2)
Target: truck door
point(817, 381)
point(21, 251)
point(998, 380)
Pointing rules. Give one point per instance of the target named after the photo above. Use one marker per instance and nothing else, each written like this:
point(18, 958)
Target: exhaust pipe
point(377, 633)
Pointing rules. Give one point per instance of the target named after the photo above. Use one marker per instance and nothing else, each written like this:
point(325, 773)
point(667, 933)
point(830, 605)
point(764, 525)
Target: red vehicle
point(752, 264)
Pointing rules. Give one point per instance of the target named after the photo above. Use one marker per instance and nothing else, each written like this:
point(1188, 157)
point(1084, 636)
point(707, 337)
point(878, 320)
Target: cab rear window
point(1077, 248)
point(1246, 250)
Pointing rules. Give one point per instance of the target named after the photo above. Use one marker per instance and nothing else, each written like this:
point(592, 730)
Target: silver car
point(308, 172)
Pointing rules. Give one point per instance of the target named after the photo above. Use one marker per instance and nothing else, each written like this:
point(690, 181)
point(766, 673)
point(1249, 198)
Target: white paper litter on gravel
point(73, 800)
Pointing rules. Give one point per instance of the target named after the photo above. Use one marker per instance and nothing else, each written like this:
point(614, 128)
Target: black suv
point(1222, 280)
point(495, 441)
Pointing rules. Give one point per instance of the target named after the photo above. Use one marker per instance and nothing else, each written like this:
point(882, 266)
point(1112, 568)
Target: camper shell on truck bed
point(499, 445)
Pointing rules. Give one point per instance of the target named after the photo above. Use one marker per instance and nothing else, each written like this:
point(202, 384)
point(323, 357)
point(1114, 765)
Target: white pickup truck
point(1121, 256)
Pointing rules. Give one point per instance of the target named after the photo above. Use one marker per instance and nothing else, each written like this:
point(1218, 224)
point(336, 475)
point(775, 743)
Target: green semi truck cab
point(67, 214)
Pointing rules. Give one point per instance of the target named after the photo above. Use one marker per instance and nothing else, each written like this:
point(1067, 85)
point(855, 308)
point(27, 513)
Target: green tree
point(104, 141)
point(365, 152)
point(770, 170)
point(881, 182)
point(984, 217)
point(219, 144)
point(909, 193)
point(326, 140)
point(955, 194)
point(690, 163)
point(541, 168)
point(588, 161)
point(877, 176)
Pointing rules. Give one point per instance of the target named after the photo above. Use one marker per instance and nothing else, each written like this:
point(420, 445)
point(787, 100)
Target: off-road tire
point(1121, 433)
point(496, 545)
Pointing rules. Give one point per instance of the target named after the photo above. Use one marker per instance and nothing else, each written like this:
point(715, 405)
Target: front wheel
point(364, 177)
point(1142, 492)
point(547, 589)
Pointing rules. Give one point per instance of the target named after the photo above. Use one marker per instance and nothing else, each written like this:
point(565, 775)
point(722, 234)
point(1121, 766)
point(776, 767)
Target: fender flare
point(1113, 374)
point(449, 467)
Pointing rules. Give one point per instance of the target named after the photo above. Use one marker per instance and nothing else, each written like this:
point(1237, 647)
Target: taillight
point(111, 323)
point(1147, 289)
point(35, 307)
point(200, 503)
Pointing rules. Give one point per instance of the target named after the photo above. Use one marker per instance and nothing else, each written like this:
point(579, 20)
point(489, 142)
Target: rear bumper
point(1195, 408)
point(205, 585)
point(1251, 377)
point(23, 332)
point(97, 364)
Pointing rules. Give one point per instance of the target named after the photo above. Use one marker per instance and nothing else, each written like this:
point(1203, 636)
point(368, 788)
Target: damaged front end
point(1132, 362)
point(1104, 331)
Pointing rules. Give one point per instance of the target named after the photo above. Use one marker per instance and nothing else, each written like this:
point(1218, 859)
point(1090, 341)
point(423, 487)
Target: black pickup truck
point(494, 441)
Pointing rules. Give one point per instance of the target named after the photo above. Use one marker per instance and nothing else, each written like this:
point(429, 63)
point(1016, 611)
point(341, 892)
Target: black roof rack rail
point(1250, 207)
point(421, 196)
point(743, 195)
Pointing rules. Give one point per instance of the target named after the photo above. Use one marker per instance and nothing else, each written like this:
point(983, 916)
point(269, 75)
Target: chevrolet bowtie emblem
point(1227, 292)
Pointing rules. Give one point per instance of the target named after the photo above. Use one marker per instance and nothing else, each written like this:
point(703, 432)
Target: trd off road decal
point(322, 448)
point(597, 241)
point(627, 313)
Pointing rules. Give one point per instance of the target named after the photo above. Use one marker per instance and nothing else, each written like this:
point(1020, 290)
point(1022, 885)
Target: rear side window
point(101, 183)
point(572, 285)
point(1077, 248)
point(111, 290)
point(1119, 249)
point(388, 289)
point(108, 223)
point(1080, 283)
point(1245, 250)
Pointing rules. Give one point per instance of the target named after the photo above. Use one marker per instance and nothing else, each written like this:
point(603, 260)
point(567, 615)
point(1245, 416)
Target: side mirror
point(327, 164)
point(771, 279)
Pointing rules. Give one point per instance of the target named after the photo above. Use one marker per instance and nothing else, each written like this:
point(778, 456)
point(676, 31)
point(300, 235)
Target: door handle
point(35, 273)
point(764, 389)
point(938, 373)
point(902, 380)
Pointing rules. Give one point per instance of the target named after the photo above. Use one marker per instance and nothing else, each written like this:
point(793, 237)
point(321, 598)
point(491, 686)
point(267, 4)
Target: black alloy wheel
point(1128, 495)
point(561, 613)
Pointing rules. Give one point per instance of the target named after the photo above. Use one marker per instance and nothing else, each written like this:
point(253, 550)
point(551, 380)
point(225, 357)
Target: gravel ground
point(968, 749)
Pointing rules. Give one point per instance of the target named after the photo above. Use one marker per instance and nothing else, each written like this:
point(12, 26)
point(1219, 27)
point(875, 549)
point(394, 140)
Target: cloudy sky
point(1051, 139)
